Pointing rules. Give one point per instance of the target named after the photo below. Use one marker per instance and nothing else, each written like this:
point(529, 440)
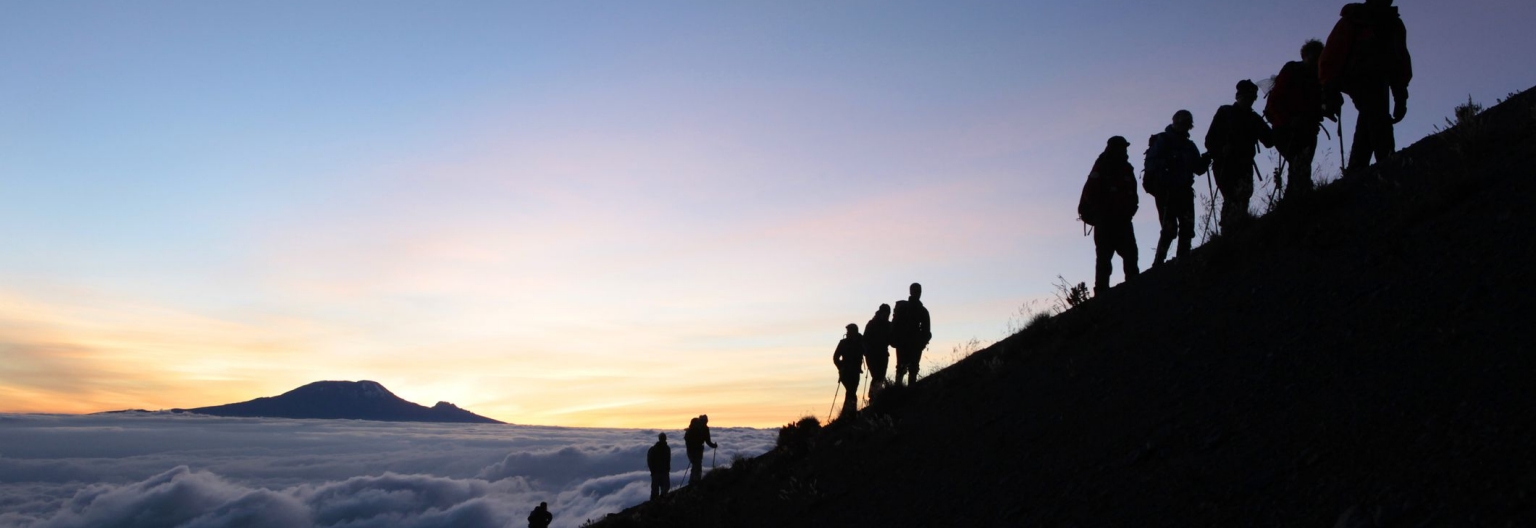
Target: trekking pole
point(713, 452)
point(834, 400)
point(1340, 125)
point(684, 478)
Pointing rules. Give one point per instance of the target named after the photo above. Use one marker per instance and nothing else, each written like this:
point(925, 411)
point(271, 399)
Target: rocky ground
point(1362, 358)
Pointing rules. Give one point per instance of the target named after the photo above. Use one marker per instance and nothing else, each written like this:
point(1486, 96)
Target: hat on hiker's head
point(1118, 141)
point(661, 436)
point(1184, 113)
point(1246, 86)
point(852, 327)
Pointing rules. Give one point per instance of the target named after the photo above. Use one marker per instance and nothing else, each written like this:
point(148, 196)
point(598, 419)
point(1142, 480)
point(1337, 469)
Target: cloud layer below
point(193, 471)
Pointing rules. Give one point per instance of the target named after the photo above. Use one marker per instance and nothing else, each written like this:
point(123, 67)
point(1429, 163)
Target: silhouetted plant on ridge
point(796, 437)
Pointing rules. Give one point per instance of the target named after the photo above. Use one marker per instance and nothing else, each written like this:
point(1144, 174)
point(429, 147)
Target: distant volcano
point(347, 400)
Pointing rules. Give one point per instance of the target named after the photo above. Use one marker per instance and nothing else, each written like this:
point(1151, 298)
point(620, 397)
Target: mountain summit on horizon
point(347, 400)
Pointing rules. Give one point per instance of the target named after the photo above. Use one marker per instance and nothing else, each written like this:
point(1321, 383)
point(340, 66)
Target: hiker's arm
point(1266, 134)
point(1214, 134)
point(1400, 104)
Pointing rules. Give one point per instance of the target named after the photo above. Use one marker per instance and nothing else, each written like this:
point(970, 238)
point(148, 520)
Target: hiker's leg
point(917, 357)
point(1373, 125)
point(1244, 195)
point(1300, 165)
point(1184, 216)
point(1168, 223)
point(850, 398)
point(1103, 250)
point(1226, 183)
point(1127, 250)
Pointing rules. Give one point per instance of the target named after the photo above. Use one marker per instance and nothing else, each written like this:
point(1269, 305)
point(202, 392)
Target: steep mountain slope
point(1361, 358)
point(356, 400)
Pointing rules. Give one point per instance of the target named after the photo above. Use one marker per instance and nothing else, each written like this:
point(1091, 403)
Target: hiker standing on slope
point(1171, 165)
point(659, 460)
point(848, 357)
point(1367, 58)
point(1108, 203)
point(694, 440)
point(877, 349)
point(910, 333)
point(1295, 108)
point(1232, 142)
point(540, 517)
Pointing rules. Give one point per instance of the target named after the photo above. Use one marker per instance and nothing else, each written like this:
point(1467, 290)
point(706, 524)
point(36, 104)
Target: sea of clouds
point(164, 470)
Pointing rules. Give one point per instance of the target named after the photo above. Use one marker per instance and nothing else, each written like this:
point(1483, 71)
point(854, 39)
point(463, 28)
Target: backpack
point(1090, 204)
point(1365, 44)
point(691, 435)
point(1154, 165)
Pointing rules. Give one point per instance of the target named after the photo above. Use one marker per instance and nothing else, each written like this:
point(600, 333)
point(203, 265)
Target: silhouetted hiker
point(877, 347)
point(1367, 58)
point(1232, 142)
point(1108, 203)
point(540, 518)
point(1295, 108)
point(1171, 165)
point(910, 333)
point(694, 440)
point(659, 460)
point(848, 357)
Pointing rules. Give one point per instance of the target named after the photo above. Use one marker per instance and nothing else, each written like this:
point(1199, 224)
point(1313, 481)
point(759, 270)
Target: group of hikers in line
point(659, 457)
point(659, 460)
point(1366, 57)
point(908, 329)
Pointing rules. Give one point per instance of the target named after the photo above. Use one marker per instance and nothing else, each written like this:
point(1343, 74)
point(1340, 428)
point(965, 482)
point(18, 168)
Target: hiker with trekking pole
point(1295, 108)
point(1171, 164)
point(694, 440)
point(1367, 58)
point(1232, 142)
point(848, 357)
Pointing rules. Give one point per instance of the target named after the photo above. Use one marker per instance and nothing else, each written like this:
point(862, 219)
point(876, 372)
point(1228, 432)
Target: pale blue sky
point(617, 206)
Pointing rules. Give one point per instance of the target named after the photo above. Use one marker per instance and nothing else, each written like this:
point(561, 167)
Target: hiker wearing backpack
point(1367, 59)
point(540, 516)
point(911, 331)
point(1171, 165)
point(694, 440)
point(1232, 142)
point(877, 349)
point(1295, 109)
point(659, 460)
point(1108, 203)
point(848, 356)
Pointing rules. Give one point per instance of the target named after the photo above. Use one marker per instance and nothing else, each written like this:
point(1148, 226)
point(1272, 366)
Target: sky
point(206, 472)
point(606, 214)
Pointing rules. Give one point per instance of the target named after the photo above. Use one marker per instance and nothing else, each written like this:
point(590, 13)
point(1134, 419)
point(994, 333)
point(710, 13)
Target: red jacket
point(1368, 46)
point(1296, 98)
